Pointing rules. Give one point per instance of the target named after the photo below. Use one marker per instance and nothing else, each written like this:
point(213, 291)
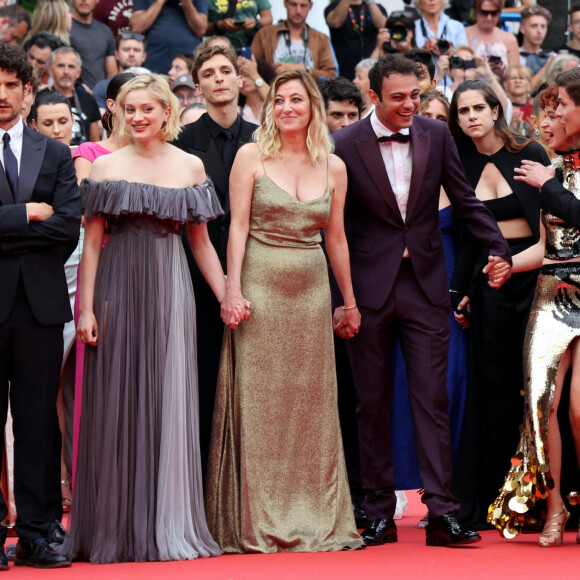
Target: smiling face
point(474, 115)
point(292, 111)
point(54, 121)
point(553, 130)
point(568, 113)
point(12, 93)
point(144, 115)
point(218, 81)
point(398, 101)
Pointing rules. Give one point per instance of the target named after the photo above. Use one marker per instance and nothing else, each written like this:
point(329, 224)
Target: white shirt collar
point(15, 131)
point(382, 131)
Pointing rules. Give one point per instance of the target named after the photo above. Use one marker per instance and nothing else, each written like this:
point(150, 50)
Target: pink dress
point(89, 151)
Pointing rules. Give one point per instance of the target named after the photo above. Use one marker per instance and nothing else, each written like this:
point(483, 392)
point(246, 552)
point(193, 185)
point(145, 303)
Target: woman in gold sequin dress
point(551, 346)
point(276, 475)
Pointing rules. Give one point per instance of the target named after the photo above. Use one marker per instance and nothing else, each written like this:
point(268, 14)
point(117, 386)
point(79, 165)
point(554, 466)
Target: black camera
point(494, 59)
point(458, 62)
point(398, 33)
point(443, 45)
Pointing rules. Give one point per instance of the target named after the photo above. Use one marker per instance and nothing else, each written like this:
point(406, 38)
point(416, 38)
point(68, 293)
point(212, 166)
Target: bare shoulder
point(336, 167)
point(248, 153)
point(187, 163)
point(101, 169)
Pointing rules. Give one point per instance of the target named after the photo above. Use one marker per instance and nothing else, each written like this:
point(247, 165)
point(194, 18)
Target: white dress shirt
point(398, 160)
point(15, 133)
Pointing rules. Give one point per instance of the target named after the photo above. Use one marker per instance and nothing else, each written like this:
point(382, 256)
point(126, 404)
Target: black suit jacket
point(196, 139)
point(34, 251)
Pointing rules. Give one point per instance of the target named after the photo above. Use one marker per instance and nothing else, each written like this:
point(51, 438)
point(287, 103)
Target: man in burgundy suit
point(396, 164)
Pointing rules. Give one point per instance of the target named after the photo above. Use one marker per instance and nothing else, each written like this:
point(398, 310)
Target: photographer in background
point(397, 37)
point(238, 22)
point(435, 31)
point(171, 27)
point(354, 26)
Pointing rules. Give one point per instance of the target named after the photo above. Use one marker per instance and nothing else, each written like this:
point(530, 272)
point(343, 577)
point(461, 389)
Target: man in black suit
point(39, 217)
point(214, 138)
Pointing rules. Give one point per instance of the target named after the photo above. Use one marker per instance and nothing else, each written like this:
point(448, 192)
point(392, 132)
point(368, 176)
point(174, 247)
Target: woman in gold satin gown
point(276, 475)
point(551, 345)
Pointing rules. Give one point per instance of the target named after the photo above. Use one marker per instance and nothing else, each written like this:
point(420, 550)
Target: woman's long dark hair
point(465, 143)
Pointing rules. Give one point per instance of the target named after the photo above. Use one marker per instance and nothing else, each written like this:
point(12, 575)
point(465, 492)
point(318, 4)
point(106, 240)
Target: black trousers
point(30, 364)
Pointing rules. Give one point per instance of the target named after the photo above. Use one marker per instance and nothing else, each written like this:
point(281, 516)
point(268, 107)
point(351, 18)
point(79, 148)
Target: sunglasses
point(488, 12)
point(402, 14)
point(132, 36)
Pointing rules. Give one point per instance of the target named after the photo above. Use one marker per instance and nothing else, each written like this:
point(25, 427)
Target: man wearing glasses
point(131, 51)
point(573, 47)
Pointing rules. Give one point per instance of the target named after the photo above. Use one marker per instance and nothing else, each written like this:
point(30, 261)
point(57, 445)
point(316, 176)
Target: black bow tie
point(399, 137)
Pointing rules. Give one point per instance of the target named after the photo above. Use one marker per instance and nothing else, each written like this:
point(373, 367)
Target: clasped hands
point(234, 309)
point(499, 271)
point(346, 323)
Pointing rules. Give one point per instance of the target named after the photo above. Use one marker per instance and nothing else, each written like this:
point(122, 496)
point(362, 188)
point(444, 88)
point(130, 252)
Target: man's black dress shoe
point(379, 532)
point(39, 555)
point(360, 517)
point(3, 559)
point(447, 531)
point(56, 533)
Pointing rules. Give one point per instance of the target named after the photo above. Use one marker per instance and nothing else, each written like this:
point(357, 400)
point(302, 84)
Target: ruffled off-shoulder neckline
point(194, 204)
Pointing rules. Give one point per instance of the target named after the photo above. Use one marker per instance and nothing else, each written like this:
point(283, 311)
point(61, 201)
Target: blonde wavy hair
point(159, 89)
point(50, 16)
point(267, 135)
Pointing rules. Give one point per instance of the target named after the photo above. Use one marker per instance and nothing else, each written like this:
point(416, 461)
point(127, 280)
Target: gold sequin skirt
point(553, 324)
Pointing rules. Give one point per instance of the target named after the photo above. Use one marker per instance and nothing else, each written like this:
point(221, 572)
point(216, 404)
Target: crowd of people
point(255, 281)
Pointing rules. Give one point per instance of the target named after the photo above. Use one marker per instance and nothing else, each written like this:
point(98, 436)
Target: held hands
point(499, 271)
point(346, 322)
point(248, 68)
point(227, 25)
point(88, 329)
point(234, 309)
point(534, 173)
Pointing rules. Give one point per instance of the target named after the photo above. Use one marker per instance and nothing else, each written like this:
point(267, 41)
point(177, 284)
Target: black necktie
point(10, 166)
point(229, 148)
point(398, 137)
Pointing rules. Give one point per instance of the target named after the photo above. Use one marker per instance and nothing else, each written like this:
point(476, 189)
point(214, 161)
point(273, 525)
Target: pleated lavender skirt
point(138, 491)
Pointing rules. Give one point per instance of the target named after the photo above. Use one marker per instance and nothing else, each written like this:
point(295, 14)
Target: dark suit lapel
point(370, 154)
point(420, 143)
point(5, 193)
point(30, 164)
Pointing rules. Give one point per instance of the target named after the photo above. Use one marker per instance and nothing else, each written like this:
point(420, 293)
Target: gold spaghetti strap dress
point(554, 323)
point(276, 475)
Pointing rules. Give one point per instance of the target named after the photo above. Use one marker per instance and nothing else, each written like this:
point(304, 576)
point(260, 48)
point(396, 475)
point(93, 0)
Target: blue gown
point(404, 448)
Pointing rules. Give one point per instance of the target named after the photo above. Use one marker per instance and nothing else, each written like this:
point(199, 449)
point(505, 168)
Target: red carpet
point(409, 559)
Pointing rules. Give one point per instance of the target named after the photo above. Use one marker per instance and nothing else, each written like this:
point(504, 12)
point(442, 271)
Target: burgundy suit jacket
point(376, 232)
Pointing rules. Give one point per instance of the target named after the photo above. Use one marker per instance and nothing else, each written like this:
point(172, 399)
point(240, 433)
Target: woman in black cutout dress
point(489, 153)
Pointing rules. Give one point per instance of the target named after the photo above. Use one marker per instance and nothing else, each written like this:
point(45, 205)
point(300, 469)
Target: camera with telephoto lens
point(398, 33)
